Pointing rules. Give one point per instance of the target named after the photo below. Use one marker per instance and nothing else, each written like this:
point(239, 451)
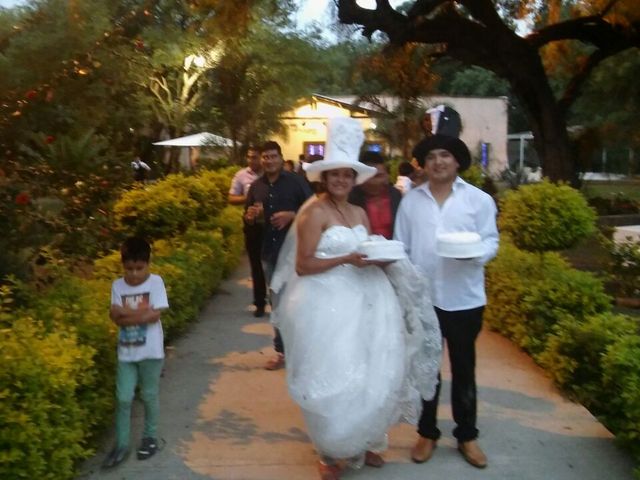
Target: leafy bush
point(529, 293)
point(155, 211)
point(621, 370)
point(82, 304)
point(57, 346)
point(43, 427)
point(574, 351)
point(230, 223)
point(474, 175)
point(191, 272)
point(171, 206)
point(545, 216)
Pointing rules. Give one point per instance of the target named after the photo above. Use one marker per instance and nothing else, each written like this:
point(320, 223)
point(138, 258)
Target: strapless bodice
point(340, 240)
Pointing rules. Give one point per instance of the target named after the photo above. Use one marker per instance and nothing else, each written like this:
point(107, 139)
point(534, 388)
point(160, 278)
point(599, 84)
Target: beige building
point(484, 125)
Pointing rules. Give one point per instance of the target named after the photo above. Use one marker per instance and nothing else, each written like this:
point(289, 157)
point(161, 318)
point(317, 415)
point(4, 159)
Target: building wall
point(483, 120)
point(308, 123)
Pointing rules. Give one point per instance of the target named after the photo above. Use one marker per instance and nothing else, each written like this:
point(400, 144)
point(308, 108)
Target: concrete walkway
point(225, 418)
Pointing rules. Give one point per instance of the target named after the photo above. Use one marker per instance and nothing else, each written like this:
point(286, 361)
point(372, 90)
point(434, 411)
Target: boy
point(136, 302)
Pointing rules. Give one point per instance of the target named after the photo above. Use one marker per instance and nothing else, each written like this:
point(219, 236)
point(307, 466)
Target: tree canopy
point(582, 34)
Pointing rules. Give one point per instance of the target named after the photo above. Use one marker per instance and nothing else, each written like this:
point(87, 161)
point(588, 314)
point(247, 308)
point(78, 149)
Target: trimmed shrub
point(192, 267)
point(230, 223)
point(545, 216)
point(573, 356)
point(171, 206)
point(43, 426)
point(529, 293)
point(474, 175)
point(621, 370)
point(83, 304)
point(155, 211)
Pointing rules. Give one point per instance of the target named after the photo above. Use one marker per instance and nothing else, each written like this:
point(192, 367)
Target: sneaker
point(148, 448)
point(259, 312)
point(115, 457)
point(275, 363)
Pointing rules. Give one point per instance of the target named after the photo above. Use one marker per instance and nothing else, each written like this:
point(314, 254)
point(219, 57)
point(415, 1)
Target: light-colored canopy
point(203, 139)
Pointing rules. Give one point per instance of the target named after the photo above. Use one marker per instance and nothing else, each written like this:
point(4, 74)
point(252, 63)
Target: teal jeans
point(146, 373)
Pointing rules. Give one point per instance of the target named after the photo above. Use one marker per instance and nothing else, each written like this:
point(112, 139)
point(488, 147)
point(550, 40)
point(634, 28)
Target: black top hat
point(452, 144)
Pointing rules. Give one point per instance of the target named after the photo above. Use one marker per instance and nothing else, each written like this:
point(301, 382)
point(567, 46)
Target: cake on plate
point(459, 245)
point(382, 249)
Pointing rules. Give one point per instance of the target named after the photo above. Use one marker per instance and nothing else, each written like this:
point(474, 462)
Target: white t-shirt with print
point(142, 342)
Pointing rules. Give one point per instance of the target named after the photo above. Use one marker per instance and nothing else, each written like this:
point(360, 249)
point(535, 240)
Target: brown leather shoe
point(275, 363)
point(328, 472)
point(473, 454)
point(423, 449)
point(372, 459)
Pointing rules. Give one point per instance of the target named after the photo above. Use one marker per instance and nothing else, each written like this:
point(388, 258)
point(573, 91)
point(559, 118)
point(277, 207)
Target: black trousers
point(268, 268)
point(460, 330)
point(253, 245)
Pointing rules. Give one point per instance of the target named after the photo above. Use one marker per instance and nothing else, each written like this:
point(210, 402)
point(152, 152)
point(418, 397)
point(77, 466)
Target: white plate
point(385, 259)
point(474, 254)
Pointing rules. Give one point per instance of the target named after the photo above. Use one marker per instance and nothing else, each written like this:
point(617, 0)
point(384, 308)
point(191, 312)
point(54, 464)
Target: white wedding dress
point(362, 345)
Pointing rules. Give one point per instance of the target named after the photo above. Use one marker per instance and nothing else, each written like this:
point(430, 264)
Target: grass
point(627, 188)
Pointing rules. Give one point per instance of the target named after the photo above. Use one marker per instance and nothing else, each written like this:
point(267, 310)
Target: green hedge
point(173, 205)
point(560, 315)
point(43, 426)
point(57, 347)
point(529, 293)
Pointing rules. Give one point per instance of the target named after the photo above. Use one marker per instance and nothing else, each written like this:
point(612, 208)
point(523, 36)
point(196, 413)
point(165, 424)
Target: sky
point(310, 9)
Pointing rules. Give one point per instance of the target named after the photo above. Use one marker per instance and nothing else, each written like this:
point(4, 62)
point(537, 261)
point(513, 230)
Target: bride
point(351, 347)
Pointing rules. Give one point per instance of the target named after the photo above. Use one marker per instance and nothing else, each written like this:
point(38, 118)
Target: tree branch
point(594, 30)
point(574, 88)
point(424, 7)
point(383, 18)
point(485, 12)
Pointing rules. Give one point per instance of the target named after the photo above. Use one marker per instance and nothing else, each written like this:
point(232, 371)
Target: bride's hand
point(357, 259)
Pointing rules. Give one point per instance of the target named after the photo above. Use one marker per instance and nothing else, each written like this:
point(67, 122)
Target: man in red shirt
point(377, 196)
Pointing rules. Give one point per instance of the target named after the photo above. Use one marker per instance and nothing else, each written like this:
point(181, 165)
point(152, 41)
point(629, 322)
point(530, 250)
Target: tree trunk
point(548, 123)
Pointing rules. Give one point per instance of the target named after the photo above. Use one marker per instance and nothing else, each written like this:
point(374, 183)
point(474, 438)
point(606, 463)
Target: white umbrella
point(203, 139)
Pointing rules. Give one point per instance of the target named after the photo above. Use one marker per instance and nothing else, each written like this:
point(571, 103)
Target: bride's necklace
point(335, 205)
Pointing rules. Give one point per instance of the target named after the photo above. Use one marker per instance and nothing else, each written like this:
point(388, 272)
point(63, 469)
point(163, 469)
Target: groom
point(446, 203)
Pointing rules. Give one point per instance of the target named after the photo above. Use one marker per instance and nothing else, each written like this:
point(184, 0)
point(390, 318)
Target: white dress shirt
point(456, 284)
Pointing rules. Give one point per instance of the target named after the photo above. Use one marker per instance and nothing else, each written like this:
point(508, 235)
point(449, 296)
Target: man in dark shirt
point(377, 196)
point(274, 199)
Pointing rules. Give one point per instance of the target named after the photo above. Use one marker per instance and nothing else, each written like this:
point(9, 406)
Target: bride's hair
point(323, 175)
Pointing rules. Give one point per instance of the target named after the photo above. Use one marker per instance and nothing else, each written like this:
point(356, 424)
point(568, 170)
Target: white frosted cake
point(459, 245)
point(382, 249)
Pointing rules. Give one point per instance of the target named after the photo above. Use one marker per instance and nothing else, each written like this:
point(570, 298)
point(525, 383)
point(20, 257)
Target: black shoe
point(148, 448)
point(115, 457)
point(259, 312)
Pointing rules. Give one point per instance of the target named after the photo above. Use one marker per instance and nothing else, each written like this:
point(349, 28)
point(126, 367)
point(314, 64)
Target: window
point(373, 147)
point(313, 148)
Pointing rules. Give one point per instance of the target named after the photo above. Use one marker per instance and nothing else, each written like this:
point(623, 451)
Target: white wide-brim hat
point(342, 150)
